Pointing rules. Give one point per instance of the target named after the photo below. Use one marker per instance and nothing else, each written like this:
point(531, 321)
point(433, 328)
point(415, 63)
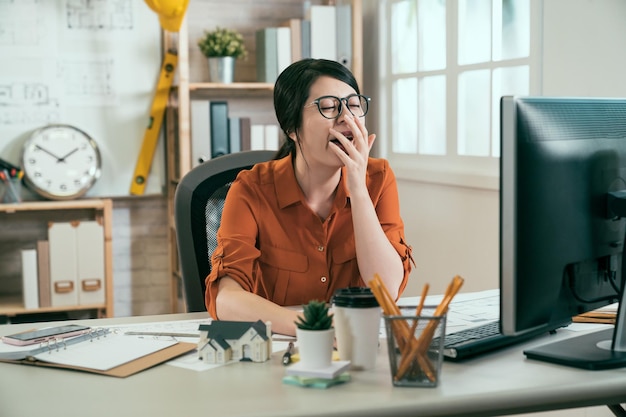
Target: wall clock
point(60, 162)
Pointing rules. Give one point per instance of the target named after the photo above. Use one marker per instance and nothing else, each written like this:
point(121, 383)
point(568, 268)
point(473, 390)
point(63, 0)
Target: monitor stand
point(604, 349)
point(589, 351)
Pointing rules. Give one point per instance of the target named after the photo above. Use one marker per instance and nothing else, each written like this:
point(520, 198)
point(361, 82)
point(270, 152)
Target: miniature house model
point(224, 341)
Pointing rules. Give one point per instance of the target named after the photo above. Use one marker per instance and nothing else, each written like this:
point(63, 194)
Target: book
point(43, 273)
point(271, 137)
point(234, 134)
point(344, 34)
point(605, 315)
point(30, 284)
point(335, 369)
point(295, 26)
point(283, 48)
point(323, 32)
point(306, 38)
point(257, 137)
point(99, 351)
point(244, 131)
point(266, 55)
point(219, 128)
point(200, 132)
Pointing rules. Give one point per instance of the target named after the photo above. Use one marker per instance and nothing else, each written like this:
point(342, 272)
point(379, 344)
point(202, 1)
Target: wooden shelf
point(37, 215)
point(233, 87)
point(228, 91)
point(12, 306)
point(53, 205)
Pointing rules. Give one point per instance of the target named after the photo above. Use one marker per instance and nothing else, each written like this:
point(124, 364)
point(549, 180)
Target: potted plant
point(316, 335)
point(222, 47)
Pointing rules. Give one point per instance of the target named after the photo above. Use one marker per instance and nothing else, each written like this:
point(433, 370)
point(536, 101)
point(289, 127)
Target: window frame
point(449, 169)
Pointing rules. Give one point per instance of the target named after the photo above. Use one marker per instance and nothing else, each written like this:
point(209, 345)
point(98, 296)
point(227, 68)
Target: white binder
point(30, 289)
point(63, 277)
point(323, 32)
point(90, 262)
point(344, 34)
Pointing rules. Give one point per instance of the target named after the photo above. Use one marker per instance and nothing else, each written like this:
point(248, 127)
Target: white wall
point(454, 230)
point(584, 48)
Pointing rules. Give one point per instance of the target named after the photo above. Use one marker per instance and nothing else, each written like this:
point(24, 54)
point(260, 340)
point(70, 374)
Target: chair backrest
point(198, 204)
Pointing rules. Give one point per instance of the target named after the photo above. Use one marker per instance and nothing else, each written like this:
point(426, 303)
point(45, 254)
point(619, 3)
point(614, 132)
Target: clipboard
point(127, 369)
point(118, 355)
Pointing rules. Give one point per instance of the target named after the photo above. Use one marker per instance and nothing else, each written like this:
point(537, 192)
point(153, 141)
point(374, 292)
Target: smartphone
point(41, 335)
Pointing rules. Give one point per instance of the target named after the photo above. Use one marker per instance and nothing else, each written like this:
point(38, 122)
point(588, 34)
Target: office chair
point(198, 204)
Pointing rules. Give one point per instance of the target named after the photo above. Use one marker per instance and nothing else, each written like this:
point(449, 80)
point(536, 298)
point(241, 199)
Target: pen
point(162, 334)
point(7, 165)
point(288, 353)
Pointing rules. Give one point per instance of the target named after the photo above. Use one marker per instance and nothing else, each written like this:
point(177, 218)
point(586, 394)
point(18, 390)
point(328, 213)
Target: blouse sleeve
point(388, 211)
point(236, 251)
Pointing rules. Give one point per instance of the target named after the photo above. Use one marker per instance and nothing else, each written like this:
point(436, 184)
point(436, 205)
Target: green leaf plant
point(222, 42)
point(315, 316)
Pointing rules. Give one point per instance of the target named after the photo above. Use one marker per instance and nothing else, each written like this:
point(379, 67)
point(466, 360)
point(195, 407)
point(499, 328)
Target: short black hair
point(292, 90)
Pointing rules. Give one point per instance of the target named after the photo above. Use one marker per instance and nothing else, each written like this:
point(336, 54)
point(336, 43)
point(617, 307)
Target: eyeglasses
point(330, 106)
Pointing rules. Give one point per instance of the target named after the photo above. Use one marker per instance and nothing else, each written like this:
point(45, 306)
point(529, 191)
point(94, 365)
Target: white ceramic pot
point(315, 347)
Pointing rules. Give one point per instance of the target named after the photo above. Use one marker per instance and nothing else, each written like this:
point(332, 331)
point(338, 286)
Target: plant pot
point(315, 347)
point(222, 69)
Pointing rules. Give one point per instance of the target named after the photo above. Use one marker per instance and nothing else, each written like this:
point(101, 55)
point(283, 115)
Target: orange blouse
point(274, 245)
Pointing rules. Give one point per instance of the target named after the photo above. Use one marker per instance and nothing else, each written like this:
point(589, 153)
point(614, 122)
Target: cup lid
point(355, 297)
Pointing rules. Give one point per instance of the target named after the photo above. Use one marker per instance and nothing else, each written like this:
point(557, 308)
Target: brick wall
point(140, 257)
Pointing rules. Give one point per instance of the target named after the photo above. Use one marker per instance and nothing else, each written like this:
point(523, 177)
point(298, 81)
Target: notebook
point(100, 351)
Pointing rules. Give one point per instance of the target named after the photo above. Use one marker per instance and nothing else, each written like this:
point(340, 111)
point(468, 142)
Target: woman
point(321, 216)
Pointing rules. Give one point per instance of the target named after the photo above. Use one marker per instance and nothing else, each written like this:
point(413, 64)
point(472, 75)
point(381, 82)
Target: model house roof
point(233, 329)
point(219, 340)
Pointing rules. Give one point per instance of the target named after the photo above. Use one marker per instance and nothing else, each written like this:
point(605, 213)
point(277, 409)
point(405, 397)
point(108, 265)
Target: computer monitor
point(563, 222)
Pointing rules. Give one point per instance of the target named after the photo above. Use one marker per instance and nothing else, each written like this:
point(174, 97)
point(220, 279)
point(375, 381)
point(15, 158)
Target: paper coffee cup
point(357, 325)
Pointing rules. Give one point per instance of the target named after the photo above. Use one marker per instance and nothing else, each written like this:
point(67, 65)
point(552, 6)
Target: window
point(446, 65)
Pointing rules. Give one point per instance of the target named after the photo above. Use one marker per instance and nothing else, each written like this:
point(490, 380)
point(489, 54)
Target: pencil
point(401, 331)
point(418, 349)
point(420, 307)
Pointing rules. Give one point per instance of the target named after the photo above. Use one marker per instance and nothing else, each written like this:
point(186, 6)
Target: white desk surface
point(500, 383)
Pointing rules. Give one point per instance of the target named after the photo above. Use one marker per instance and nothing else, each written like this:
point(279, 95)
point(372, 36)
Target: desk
point(500, 383)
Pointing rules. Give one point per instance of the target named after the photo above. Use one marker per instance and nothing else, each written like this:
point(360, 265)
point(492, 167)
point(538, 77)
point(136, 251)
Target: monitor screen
point(562, 168)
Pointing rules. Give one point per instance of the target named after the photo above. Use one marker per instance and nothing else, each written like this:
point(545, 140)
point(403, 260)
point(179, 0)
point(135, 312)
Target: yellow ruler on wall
point(151, 135)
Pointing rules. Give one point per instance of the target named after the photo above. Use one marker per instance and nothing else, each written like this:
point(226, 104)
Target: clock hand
point(68, 154)
point(48, 152)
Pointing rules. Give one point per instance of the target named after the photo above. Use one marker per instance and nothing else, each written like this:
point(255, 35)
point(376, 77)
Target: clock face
point(60, 162)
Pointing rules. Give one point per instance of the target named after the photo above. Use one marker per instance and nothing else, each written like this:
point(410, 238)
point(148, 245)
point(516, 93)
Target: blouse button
point(320, 248)
point(323, 279)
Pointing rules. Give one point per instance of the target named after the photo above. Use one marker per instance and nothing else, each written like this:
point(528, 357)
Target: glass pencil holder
point(10, 191)
point(415, 349)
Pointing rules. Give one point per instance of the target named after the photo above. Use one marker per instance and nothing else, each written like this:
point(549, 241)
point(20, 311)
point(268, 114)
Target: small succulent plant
point(315, 316)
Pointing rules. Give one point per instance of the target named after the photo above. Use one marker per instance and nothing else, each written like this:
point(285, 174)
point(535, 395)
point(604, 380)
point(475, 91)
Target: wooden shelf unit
point(37, 215)
point(178, 137)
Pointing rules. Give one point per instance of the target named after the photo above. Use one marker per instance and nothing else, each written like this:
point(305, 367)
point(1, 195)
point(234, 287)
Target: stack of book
point(67, 269)
point(215, 133)
point(326, 32)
